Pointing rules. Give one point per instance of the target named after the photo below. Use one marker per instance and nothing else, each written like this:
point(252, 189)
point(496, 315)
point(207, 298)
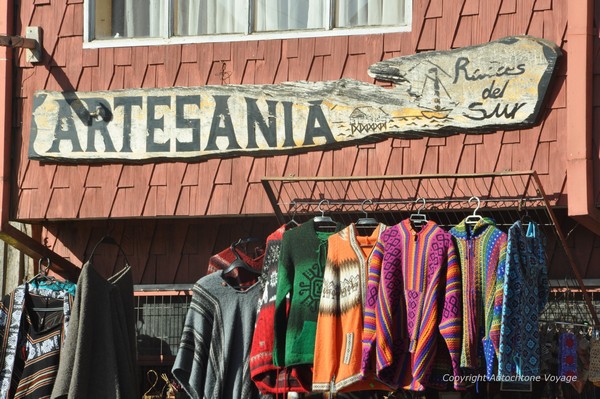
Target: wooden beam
point(18, 42)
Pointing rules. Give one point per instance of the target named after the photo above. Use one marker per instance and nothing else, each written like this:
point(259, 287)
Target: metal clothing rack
point(504, 196)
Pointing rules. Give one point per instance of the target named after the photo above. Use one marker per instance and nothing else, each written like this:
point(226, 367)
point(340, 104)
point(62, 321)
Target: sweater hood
point(466, 231)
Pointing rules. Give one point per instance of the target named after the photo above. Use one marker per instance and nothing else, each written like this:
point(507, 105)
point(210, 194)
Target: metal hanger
point(419, 218)
point(107, 239)
point(292, 222)
point(474, 218)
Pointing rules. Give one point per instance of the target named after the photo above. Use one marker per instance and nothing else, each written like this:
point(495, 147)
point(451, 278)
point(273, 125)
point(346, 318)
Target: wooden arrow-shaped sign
point(479, 89)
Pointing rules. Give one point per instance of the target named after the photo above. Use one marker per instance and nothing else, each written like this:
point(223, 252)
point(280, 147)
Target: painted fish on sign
point(498, 85)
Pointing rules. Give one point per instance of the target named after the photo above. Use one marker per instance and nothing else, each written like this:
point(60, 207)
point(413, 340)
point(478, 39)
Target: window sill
point(158, 41)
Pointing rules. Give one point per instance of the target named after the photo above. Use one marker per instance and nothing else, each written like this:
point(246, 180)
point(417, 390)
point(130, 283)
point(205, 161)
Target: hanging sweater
point(433, 297)
point(338, 346)
point(268, 377)
point(301, 264)
point(384, 343)
point(212, 361)
point(28, 350)
point(525, 295)
point(482, 254)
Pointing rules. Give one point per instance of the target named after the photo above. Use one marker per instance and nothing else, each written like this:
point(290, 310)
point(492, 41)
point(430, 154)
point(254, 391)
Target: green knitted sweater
point(300, 274)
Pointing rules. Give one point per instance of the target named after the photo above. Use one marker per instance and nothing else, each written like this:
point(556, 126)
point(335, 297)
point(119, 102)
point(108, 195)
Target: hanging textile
point(526, 292)
point(482, 255)
point(268, 377)
point(99, 356)
point(213, 357)
point(378, 353)
point(567, 361)
point(223, 260)
point(338, 342)
point(300, 274)
point(31, 340)
point(594, 370)
point(421, 267)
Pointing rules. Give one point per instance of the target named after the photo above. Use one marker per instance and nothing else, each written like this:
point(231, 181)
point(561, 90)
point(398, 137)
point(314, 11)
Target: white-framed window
point(116, 23)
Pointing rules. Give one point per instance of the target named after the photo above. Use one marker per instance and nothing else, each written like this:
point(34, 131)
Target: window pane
point(130, 18)
point(205, 17)
point(273, 15)
point(369, 13)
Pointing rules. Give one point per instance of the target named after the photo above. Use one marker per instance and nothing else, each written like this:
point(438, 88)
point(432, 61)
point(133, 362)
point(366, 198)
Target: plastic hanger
point(324, 222)
point(419, 219)
point(366, 221)
point(238, 263)
point(474, 218)
point(42, 278)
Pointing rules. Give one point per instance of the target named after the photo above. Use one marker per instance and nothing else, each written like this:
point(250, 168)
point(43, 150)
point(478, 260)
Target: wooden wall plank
point(123, 55)
point(464, 32)
point(189, 53)
point(484, 25)
point(428, 35)
point(266, 67)
point(471, 7)
point(508, 7)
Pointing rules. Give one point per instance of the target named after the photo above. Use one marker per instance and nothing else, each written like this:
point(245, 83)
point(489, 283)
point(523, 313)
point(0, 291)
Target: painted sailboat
point(436, 102)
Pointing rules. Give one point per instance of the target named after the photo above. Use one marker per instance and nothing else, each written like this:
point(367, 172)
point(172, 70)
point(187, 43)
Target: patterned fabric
point(223, 259)
point(30, 352)
point(594, 371)
point(300, 274)
point(525, 295)
point(385, 347)
point(567, 362)
point(433, 291)
point(338, 347)
point(268, 377)
point(419, 304)
point(212, 361)
point(482, 256)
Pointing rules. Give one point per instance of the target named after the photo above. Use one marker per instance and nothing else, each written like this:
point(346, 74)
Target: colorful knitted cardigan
point(338, 347)
point(418, 312)
point(525, 295)
point(300, 274)
point(482, 254)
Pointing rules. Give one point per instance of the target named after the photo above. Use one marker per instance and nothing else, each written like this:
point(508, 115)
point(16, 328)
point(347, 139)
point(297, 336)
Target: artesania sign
point(499, 85)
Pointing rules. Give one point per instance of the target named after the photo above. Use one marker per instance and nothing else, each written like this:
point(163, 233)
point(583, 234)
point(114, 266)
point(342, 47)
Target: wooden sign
point(499, 85)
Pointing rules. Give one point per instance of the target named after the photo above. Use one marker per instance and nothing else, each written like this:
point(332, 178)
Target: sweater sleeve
point(285, 279)
point(451, 319)
point(327, 344)
point(368, 338)
point(389, 304)
point(499, 295)
point(544, 287)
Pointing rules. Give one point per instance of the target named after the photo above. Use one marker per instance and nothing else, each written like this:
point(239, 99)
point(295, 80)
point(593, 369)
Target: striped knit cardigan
point(482, 253)
point(418, 311)
point(338, 348)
